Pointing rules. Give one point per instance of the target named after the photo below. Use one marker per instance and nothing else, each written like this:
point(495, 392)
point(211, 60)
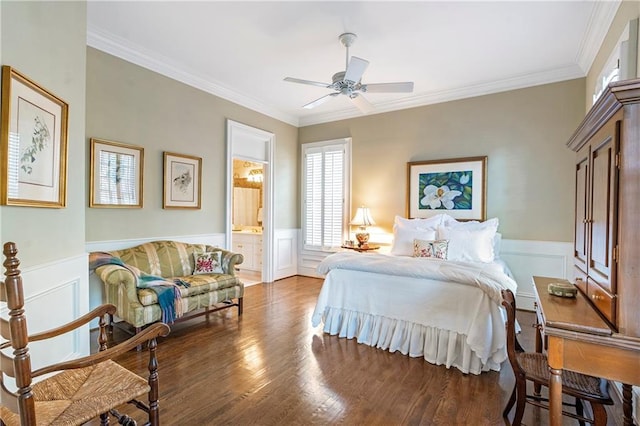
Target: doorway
point(247, 217)
point(249, 224)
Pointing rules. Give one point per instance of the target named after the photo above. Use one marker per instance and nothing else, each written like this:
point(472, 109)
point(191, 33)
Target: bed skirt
point(437, 346)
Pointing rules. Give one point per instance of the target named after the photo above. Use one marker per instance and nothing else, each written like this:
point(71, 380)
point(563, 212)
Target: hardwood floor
point(271, 367)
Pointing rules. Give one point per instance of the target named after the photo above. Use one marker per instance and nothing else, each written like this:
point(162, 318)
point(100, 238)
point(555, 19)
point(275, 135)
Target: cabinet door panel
point(603, 207)
point(581, 238)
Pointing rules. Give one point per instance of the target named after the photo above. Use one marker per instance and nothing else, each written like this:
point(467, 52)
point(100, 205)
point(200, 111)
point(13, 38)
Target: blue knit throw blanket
point(168, 291)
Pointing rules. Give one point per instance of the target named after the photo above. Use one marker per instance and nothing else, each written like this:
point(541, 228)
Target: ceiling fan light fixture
point(348, 82)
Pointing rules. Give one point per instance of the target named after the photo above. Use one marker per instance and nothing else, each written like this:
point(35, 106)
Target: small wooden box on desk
point(580, 340)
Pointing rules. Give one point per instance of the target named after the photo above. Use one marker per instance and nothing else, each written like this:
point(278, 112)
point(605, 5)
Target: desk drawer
point(581, 279)
point(605, 302)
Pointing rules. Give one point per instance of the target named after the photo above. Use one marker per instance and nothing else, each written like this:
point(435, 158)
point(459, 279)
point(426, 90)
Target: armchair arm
point(229, 260)
point(85, 319)
point(117, 275)
point(153, 331)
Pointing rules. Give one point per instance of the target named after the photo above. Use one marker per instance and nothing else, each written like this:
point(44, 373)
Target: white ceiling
point(241, 51)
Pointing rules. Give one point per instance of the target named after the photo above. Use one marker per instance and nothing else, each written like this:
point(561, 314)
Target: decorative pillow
point(471, 242)
point(207, 263)
point(437, 248)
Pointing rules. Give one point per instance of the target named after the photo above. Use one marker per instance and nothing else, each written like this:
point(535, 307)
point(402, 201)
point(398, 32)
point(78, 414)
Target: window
point(326, 171)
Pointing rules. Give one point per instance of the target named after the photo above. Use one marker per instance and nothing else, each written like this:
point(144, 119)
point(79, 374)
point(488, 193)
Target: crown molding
point(602, 16)
point(130, 52)
point(568, 72)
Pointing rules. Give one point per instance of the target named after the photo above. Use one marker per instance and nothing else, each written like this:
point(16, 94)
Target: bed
point(444, 307)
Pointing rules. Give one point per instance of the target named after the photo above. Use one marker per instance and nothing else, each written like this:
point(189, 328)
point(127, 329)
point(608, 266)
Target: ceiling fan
point(348, 82)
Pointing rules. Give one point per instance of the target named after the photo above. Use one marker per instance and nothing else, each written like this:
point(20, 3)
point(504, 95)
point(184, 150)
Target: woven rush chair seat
point(78, 390)
point(575, 384)
point(74, 397)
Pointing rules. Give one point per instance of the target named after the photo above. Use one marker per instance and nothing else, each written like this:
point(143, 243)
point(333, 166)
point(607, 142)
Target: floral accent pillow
point(431, 248)
point(207, 263)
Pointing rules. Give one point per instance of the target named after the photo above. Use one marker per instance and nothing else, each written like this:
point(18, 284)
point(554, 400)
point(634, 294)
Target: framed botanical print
point(182, 181)
point(33, 144)
point(116, 174)
point(454, 186)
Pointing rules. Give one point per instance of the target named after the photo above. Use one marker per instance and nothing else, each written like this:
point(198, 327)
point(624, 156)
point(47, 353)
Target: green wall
point(523, 133)
point(130, 104)
point(46, 41)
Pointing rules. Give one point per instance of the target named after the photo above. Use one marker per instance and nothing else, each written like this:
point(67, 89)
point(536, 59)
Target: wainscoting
point(283, 255)
point(542, 258)
point(56, 293)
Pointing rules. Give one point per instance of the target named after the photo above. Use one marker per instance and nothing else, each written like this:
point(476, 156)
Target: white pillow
point(403, 239)
point(497, 243)
point(431, 222)
point(471, 241)
point(406, 230)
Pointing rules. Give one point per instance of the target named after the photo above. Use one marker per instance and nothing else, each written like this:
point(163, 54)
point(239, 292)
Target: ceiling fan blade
point(362, 103)
point(321, 100)
point(309, 82)
point(355, 69)
point(405, 87)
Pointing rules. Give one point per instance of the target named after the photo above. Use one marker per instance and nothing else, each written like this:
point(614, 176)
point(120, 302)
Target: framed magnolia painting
point(182, 181)
point(33, 144)
point(453, 186)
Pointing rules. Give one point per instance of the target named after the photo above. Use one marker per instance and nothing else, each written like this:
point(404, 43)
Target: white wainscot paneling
point(96, 291)
point(535, 258)
point(56, 293)
point(285, 253)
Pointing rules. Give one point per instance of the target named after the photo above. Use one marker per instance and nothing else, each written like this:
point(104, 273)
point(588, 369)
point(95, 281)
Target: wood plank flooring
point(271, 367)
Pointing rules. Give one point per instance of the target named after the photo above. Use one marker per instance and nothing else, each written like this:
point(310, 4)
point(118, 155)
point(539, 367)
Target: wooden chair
point(533, 366)
point(83, 388)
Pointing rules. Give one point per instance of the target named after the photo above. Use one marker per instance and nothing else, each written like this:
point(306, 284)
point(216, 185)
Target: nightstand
point(368, 247)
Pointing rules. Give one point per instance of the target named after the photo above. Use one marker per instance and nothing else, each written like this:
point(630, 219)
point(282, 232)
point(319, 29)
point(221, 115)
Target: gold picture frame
point(33, 144)
point(456, 186)
point(117, 172)
point(182, 178)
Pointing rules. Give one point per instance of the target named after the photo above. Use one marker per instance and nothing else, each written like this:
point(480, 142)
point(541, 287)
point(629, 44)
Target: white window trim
point(347, 190)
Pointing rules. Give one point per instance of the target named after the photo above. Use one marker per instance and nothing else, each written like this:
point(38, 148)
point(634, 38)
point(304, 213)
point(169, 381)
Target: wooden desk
point(580, 340)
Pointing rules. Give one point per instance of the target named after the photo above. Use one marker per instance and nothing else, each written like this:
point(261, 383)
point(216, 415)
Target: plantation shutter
point(324, 196)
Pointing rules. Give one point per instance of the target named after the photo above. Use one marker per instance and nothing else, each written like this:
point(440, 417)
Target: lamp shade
point(363, 217)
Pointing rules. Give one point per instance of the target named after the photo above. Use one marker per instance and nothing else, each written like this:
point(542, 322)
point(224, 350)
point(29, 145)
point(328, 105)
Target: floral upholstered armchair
point(168, 280)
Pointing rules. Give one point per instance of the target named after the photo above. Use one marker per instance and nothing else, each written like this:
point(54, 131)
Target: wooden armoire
point(607, 206)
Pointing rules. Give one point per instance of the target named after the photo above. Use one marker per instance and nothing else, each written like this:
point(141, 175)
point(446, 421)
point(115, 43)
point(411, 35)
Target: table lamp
point(362, 219)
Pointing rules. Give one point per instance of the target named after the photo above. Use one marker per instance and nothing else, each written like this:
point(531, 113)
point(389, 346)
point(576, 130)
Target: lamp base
point(363, 239)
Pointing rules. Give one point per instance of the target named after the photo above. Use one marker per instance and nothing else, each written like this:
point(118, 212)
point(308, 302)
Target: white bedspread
point(487, 276)
point(447, 312)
